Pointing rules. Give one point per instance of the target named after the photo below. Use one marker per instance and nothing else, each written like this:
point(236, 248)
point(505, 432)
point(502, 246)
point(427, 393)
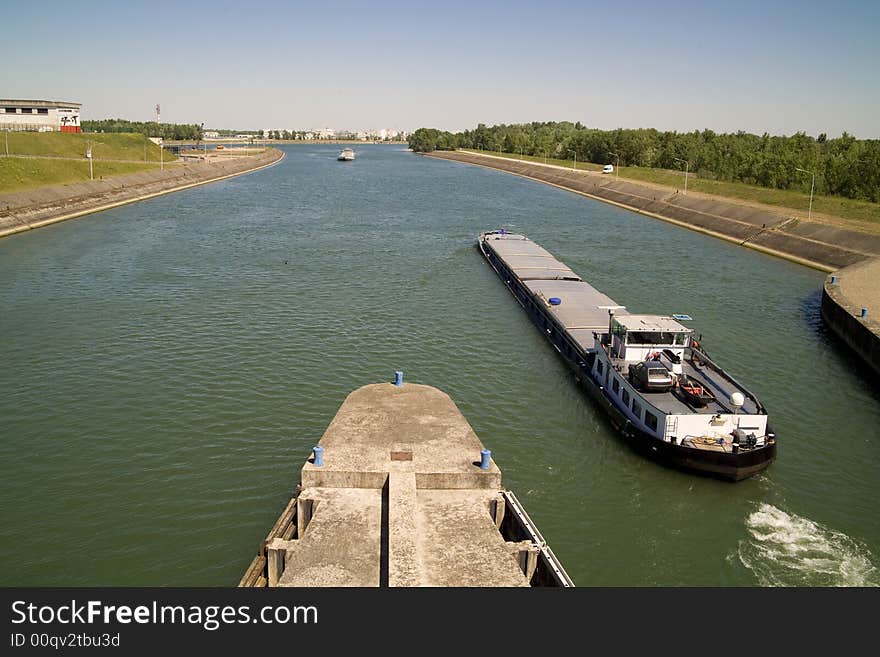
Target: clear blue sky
point(778, 67)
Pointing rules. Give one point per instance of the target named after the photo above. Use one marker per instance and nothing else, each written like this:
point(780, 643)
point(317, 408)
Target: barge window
point(625, 396)
point(637, 409)
point(615, 385)
point(600, 367)
point(650, 337)
point(651, 420)
point(42, 110)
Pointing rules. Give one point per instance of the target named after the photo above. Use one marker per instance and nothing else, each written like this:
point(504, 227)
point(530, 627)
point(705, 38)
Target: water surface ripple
point(168, 365)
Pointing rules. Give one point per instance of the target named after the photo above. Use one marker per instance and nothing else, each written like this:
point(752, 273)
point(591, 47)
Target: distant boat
point(347, 155)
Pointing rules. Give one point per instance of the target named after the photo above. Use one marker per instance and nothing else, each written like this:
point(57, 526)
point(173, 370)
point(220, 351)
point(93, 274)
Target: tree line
point(148, 128)
point(844, 166)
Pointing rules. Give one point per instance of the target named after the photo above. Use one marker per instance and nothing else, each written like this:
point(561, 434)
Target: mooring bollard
point(485, 455)
point(398, 378)
point(318, 454)
point(864, 312)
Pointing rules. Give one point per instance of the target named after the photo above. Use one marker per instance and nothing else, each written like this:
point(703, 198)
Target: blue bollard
point(833, 280)
point(864, 312)
point(318, 453)
point(485, 455)
point(398, 378)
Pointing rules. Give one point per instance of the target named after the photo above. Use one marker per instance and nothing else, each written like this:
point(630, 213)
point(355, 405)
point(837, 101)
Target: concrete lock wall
point(843, 316)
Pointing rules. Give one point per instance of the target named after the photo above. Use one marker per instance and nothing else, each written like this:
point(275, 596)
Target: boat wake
point(785, 549)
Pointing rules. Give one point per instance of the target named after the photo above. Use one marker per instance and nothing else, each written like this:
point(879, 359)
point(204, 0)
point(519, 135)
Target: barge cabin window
point(656, 338)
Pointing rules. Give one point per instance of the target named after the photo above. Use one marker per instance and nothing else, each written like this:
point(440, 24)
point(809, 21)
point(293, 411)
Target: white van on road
point(608, 169)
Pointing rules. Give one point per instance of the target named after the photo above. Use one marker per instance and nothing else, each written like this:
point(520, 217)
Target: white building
point(39, 116)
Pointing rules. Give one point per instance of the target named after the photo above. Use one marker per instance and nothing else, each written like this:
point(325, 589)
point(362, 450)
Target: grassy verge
point(19, 174)
point(835, 206)
point(115, 146)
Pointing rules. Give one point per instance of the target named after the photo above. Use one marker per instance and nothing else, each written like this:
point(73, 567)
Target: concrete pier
point(851, 308)
point(401, 500)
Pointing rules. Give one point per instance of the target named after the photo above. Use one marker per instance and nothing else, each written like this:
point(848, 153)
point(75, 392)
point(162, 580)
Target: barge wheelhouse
point(659, 388)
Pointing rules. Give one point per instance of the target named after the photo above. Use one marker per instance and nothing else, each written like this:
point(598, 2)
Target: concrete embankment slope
point(854, 256)
point(813, 244)
point(25, 210)
point(846, 295)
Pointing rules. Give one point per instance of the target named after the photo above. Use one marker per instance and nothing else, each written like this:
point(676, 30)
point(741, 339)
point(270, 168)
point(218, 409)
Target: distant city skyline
point(753, 66)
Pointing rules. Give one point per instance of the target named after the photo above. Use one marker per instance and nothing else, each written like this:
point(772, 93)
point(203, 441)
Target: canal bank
point(853, 256)
point(809, 243)
point(21, 211)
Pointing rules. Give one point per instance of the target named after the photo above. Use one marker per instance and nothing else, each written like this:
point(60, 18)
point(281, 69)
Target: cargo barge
point(660, 389)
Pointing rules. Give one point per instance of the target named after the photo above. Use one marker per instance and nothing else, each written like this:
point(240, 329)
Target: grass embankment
point(109, 146)
point(45, 164)
point(834, 206)
point(18, 174)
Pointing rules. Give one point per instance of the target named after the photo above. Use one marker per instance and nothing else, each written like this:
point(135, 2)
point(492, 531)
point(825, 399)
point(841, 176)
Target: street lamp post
point(812, 187)
point(575, 160)
point(686, 167)
point(617, 169)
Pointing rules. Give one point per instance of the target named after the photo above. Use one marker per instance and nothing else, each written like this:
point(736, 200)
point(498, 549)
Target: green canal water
point(168, 365)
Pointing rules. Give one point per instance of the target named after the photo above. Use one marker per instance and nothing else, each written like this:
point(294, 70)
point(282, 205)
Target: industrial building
point(39, 116)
